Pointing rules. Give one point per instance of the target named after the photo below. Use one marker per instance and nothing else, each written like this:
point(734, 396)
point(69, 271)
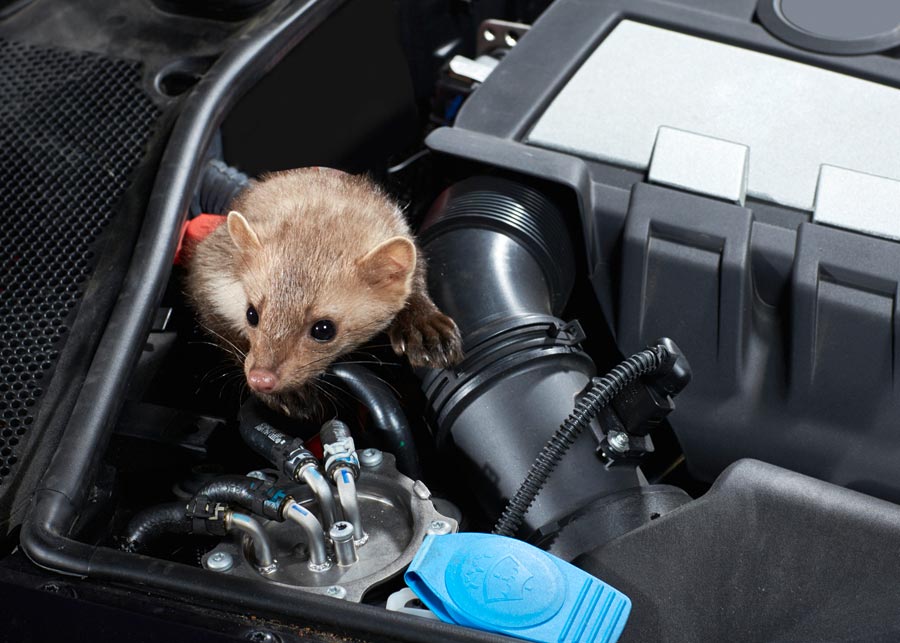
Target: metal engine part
point(397, 513)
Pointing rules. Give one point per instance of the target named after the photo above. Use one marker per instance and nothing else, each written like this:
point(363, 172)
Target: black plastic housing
point(765, 555)
point(790, 325)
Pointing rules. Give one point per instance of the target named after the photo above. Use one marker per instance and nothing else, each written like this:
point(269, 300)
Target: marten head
point(318, 269)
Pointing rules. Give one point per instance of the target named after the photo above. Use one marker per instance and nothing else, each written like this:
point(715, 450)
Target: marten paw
point(427, 338)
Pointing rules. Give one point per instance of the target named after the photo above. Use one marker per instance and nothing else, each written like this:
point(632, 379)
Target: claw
point(429, 340)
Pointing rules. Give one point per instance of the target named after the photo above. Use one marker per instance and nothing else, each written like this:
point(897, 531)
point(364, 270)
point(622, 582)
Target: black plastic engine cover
point(766, 555)
point(789, 324)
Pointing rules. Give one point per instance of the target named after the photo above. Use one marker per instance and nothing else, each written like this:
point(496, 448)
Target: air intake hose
point(501, 264)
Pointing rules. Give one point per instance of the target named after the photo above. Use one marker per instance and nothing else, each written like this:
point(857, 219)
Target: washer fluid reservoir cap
point(504, 585)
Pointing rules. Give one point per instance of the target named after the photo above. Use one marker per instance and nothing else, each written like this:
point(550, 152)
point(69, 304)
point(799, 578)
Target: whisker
point(327, 395)
point(224, 339)
point(228, 350)
point(368, 354)
point(223, 366)
point(364, 361)
point(316, 386)
point(243, 393)
point(388, 384)
point(207, 380)
point(194, 342)
point(339, 389)
point(228, 382)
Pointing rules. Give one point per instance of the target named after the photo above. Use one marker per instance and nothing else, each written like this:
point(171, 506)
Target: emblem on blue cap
point(504, 585)
point(506, 581)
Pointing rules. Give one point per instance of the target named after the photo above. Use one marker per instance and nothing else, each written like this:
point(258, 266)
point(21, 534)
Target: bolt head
point(439, 527)
point(341, 531)
point(219, 561)
point(370, 457)
point(618, 441)
point(336, 591)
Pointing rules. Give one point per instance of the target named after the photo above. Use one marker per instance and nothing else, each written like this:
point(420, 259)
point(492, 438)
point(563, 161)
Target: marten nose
point(262, 380)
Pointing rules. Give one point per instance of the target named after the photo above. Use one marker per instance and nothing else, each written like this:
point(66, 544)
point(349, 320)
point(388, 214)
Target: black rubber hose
point(496, 250)
point(260, 435)
point(601, 393)
point(231, 490)
point(219, 186)
point(150, 524)
point(502, 265)
point(259, 497)
point(387, 415)
point(176, 518)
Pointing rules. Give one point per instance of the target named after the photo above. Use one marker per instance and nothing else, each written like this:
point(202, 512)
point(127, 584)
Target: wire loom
point(599, 395)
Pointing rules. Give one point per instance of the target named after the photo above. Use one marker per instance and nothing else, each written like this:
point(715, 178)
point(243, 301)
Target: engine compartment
point(678, 322)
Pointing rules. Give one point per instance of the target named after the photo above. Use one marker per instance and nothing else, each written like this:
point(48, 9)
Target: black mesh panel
point(73, 126)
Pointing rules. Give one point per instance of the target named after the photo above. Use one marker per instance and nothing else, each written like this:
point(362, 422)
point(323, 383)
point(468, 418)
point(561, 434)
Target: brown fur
point(315, 244)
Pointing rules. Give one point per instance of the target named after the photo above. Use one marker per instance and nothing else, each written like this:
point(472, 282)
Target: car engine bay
point(665, 231)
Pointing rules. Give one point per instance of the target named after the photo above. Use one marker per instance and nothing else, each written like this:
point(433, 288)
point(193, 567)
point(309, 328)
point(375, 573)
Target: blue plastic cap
point(504, 585)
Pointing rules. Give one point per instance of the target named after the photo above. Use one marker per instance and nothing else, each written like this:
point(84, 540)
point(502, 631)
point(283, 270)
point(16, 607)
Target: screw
point(219, 561)
point(370, 457)
point(336, 591)
point(618, 441)
point(438, 527)
point(340, 530)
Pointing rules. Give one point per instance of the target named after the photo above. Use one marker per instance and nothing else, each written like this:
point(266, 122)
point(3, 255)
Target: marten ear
point(241, 233)
point(389, 266)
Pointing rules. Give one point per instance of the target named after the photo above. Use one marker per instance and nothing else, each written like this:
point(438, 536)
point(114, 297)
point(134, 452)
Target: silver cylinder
point(341, 534)
point(252, 529)
point(346, 486)
point(322, 491)
point(315, 537)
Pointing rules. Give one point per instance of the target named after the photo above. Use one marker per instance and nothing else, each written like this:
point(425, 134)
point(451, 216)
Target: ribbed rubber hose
point(602, 391)
point(219, 186)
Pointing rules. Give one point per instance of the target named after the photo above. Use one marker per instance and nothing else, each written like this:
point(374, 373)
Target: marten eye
point(323, 330)
point(252, 316)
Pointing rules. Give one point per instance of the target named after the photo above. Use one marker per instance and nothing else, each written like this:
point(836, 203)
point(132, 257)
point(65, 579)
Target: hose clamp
point(296, 460)
point(349, 462)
